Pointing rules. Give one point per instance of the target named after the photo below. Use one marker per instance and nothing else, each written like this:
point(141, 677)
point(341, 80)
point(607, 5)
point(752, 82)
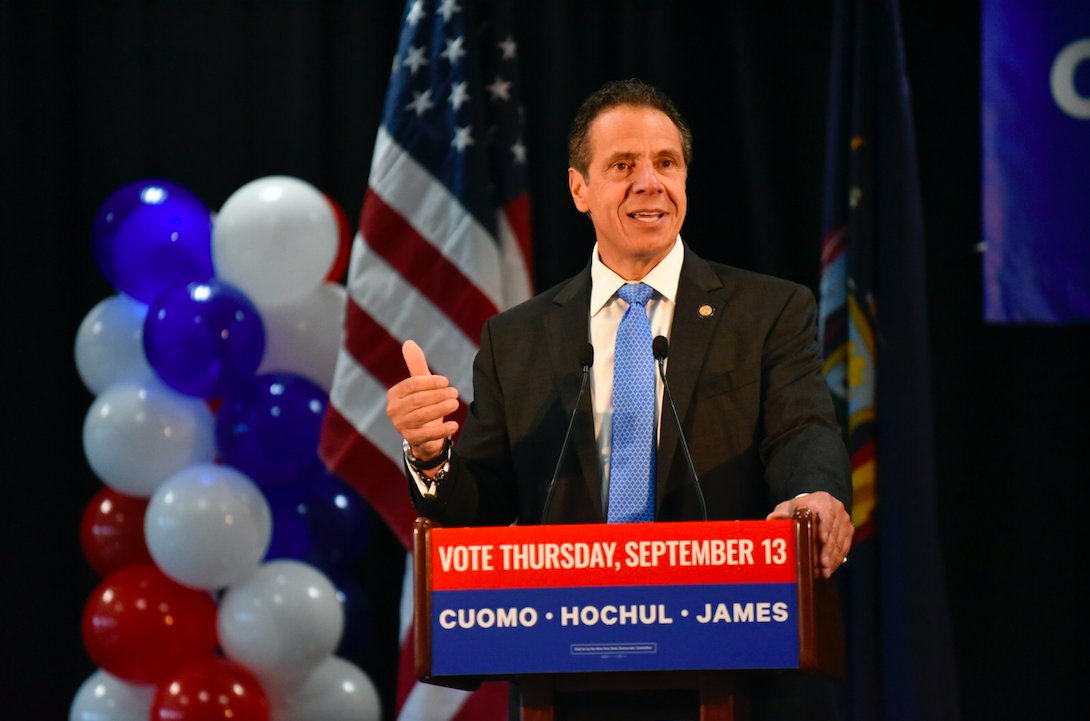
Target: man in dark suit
point(745, 375)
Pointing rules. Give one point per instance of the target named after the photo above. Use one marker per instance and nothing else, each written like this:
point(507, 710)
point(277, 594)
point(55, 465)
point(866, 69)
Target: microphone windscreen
point(660, 347)
point(586, 358)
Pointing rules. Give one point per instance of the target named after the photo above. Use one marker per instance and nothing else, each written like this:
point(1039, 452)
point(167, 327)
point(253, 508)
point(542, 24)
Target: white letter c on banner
point(1062, 79)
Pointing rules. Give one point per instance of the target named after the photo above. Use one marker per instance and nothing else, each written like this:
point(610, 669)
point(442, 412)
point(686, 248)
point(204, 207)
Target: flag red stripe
point(832, 246)
point(518, 216)
point(355, 459)
point(836, 330)
point(372, 346)
point(406, 668)
point(863, 454)
point(418, 261)
point(489, 702)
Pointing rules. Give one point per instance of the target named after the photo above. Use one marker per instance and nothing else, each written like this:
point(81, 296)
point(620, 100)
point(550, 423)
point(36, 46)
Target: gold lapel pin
point(705, 311)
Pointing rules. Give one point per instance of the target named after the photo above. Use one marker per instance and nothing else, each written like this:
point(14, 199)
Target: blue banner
point(1036, 160)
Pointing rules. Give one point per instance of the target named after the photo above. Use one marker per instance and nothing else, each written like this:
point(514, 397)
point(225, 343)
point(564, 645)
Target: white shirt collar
point(664, 277)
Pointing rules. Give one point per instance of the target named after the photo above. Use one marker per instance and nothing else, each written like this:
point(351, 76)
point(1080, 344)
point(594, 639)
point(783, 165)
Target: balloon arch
point(227, 553)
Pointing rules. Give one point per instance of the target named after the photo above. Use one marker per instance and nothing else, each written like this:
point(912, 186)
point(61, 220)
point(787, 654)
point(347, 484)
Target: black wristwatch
point(441, 461)
point(417, 465)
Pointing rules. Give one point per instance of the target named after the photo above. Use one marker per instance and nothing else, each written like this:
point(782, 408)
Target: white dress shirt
point(606, 310)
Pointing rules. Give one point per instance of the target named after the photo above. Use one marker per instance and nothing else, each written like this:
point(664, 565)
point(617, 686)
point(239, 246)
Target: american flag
point(443, 243)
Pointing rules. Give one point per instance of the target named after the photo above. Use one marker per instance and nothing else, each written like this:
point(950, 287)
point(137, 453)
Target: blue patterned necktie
point(632, 446)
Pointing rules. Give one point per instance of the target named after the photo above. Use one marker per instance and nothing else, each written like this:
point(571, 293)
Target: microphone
point(661, 348)
point(586, 360)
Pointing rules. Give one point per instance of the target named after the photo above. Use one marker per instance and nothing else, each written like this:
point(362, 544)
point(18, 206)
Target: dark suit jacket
point(746, 380)
point(747, 383)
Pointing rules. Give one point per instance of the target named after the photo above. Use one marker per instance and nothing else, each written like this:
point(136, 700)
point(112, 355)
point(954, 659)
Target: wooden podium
point(490, 605)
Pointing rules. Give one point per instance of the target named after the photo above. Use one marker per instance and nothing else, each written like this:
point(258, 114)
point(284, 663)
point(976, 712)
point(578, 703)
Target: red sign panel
point(623, 554)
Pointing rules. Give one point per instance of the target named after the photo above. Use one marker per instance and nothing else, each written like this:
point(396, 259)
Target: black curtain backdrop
point(214, 94)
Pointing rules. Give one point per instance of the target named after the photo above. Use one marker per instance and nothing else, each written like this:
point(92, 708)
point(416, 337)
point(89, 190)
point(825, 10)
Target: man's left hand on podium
point(834, 526)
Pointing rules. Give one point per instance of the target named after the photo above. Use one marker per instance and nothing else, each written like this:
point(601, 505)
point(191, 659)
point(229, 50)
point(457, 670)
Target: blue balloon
point(204, 338)
point(290, 522)
point(322, 521)
point(150, 235)
point(268, 427)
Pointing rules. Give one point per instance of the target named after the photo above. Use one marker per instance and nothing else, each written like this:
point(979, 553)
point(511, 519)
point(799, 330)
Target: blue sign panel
point(621, 628)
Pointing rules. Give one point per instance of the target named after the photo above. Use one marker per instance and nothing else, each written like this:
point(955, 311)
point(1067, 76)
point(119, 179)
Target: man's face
point(635, 187)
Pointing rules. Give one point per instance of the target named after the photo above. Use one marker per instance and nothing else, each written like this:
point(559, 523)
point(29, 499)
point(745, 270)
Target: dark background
point(215, 94)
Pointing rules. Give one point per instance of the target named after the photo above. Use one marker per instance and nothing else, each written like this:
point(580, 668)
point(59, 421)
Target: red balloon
point(112, 531)
point(140, 625)
point(210, 690)
point(337, 271)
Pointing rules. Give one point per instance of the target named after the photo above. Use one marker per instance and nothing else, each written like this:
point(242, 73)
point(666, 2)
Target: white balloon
point(139, 432)
point(281, 622)
point(336, 690)
point(109, 343)
point(103, 697)
point(275, 238)
point(304, 336)
point(208, 526)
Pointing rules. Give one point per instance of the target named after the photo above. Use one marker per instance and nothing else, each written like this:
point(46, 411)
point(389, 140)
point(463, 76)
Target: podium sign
point(508, 601)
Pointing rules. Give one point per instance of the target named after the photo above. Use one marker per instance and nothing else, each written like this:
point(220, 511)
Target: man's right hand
point(418, 405)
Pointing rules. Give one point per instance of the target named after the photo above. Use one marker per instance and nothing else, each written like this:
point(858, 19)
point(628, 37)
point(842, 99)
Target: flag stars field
point(500, 89)
point(447, 9)
point(455, 50)
point(421, 102)
point(509, 48)
point(459, 94)
point(462, 139)
point(416, 13)
point(416, 59)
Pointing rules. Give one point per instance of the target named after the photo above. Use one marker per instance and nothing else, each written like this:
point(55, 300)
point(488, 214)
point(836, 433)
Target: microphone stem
point(684, 444)
point(564, 447)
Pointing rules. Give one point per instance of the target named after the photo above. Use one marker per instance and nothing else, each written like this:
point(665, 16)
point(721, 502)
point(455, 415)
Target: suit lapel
point(692, 331)
point(698, 313)
point(567, 332)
